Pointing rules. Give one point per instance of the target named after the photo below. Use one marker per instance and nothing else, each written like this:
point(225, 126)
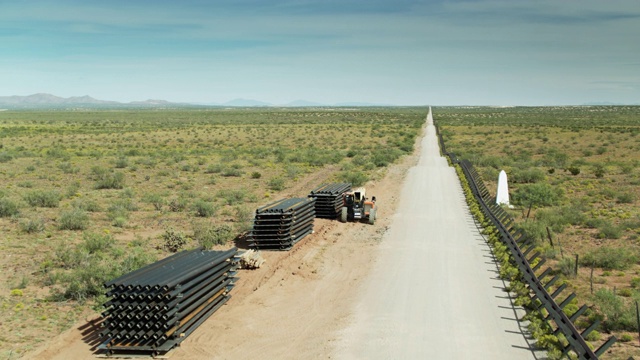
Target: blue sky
point(435, 52)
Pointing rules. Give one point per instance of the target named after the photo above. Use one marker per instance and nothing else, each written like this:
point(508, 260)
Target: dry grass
point(136, 174)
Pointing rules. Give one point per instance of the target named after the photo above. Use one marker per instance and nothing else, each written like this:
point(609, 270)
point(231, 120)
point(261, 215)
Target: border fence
point(521, 247)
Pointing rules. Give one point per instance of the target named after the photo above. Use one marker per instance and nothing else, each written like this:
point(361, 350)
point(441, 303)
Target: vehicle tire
point(344, 214)
point(372, 216)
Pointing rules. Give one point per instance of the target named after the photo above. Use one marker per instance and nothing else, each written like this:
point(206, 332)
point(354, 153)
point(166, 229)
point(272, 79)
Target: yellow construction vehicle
point(357, 207)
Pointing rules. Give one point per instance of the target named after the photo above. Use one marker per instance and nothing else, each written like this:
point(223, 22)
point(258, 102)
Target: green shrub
point(627, 168)
point(72, 189)
point(617, 314)
point(256, 175)
point(356, 178)
point(243, 218)
point(231, 172)
point(127, 193)
point(276, 184)
point(43, 198)
point(157, 200)
point(625, 338)
point(599, 171)
point(178, 204)
point(625, 198)
point(207, 234)
point(292, 171)
point(91, 263)
point(173, 240)
point(68, 168)
point(625, 292)
point(5, 157)
point(57, 152)
point(635, 282)
point(609, 258)
point(85, 282)
point(30, 226)
point(204, 208)
point(533, 229)
point(567, 267)
point(8, 207)
point(121, 163)
point(95, 242)
point(74, 219)
point(557, 219)
point(526, 176)
point(120, 209)
point(118, 212)
point(609, 231)
point(25, 184)
point(537, 195)
point(85, 204)
point(108, 180)
point(119, 221)
point(234, 196)
point(593, 336)
point(384, 157)
point(574, 170)
point(214, 169)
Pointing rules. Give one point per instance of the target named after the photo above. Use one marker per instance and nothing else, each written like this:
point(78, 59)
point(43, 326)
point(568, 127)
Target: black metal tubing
point(140, 319)
point(286, 206)
point(148, 268)
point(184, 290)
point(496, 215)
point(269, 226)
point(331, 189)
point(194, 271)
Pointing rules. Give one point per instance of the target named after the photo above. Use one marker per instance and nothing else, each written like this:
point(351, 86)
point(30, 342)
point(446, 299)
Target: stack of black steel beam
point(329, 199)
point(283, 223)
point(154, 308)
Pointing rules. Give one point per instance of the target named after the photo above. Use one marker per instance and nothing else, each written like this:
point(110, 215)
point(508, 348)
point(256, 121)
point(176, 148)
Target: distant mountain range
point(47, 100)
point(42, 100)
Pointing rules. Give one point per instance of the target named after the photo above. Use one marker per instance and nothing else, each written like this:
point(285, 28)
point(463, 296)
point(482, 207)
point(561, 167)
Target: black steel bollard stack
point(329, 199)
point(283, 223)
point(154, 308)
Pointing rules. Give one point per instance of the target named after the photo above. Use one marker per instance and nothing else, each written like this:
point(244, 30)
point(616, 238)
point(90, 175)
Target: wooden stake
point(576, 268)
point(591, 279)
point(638, 320)
point(549, 236)
point(560, 246)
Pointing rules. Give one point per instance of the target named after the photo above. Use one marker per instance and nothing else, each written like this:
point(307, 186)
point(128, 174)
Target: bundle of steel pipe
point(154, 308)
point(329, 199)
point(282, 223)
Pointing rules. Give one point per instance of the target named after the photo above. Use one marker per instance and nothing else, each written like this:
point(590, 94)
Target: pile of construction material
point(283, 223)
point(154, 308)
point(251, 259)
point(329, 199)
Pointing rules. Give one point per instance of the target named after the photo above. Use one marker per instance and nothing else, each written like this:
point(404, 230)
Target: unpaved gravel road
point(433, 292)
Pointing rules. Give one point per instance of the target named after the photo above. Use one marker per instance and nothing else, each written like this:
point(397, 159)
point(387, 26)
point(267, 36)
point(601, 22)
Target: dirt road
point(433, 292)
